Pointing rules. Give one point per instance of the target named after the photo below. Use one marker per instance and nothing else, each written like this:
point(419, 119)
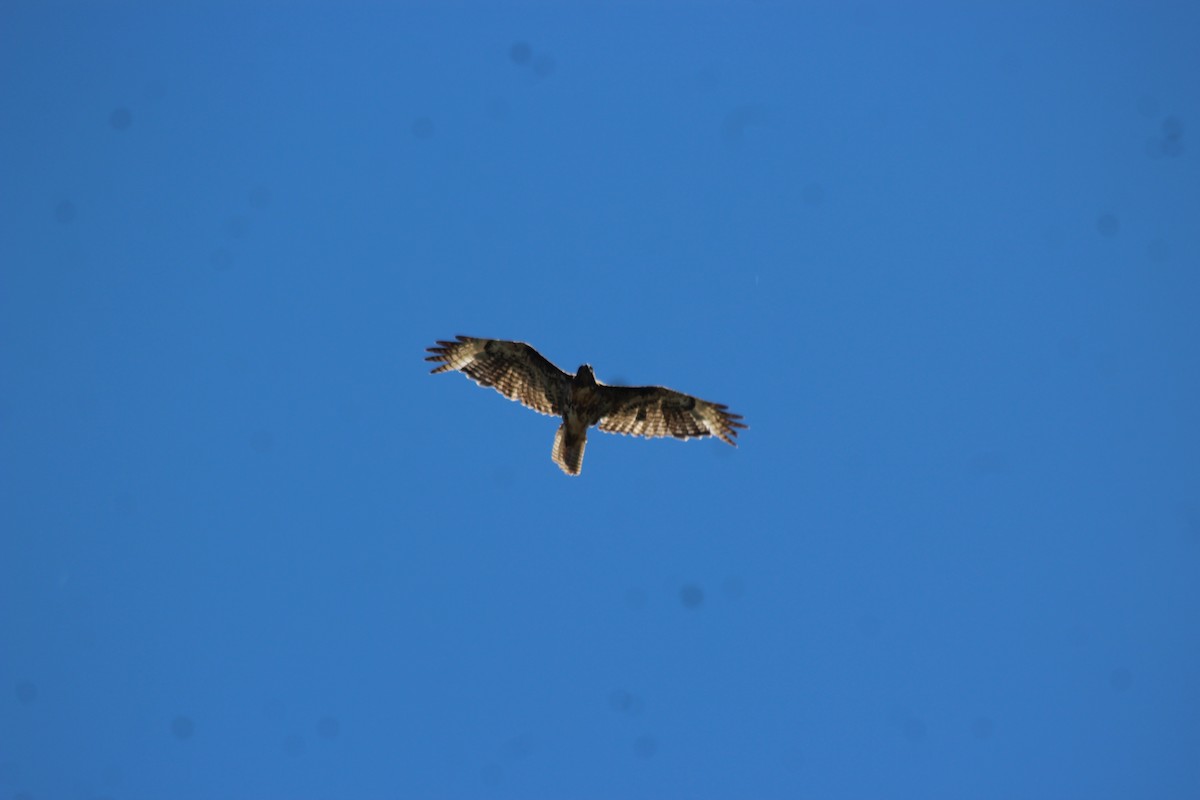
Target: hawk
point(520, 373)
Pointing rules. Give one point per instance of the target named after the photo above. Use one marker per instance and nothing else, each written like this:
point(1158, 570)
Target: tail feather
point(568, 449)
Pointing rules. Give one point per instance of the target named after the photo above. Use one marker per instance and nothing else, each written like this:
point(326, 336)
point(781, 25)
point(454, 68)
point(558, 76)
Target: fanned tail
point(568, 449)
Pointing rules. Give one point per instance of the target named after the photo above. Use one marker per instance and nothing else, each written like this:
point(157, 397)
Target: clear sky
point(943, 257)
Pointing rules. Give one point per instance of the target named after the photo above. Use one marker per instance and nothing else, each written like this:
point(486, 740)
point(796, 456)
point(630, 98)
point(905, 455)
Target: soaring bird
point(520, 373)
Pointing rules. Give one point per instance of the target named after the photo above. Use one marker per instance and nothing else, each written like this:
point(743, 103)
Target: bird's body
point(520, 373)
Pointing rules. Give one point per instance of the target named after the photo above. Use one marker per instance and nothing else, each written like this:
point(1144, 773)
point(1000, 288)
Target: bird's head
point(584, 376)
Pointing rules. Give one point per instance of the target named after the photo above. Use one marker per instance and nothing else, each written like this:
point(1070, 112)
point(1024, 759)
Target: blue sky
point(942, 259)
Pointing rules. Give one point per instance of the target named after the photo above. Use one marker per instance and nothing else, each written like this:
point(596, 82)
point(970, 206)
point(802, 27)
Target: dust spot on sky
point(691, 595)
point(518, 746)
point(544, 65)
point(1169, 141)
point(260, 197)
point(520, 53)
point(182, 728)
point(707, 79)
point(1172, 149)
point(262, 442)
point(155, 91)
point(1121, 680)
point(1157, 251)
point(793, 758)
point(1172, 137)
point(983, 728)
point(237, 226)
point(1052, 237)
point(910, 726)
point(125, 505)
point(422, 128)
point(220, 259)
point(112, 776)
point(1191, 522)
point(492, 774)
point(645, 746)
point(869, 625)
point(497, 109)
point(120, 119)
point(273, 709)
point(737, 121)
point(1172, 129)
point(503, 476)
point(988, 462)
point(328, 727)
point(636, 598)
point(913, 729)
point(624, 702)
point(293, 745)
point(1107, 224)
point(64, 212)
point(26, 692)
point(812, 194)
point(1069, 348)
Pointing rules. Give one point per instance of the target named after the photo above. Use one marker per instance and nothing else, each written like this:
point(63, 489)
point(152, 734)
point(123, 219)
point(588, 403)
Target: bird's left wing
point(655, 411)
point(514, 369)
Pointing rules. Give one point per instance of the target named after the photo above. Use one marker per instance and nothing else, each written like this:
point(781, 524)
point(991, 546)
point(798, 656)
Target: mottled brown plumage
point(520, 373)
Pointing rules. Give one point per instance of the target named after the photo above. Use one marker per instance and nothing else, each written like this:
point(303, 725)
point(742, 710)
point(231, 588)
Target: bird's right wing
point(514, 369)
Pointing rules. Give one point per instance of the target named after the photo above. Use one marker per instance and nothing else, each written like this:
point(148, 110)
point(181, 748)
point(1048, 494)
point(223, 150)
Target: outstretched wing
point(514, 369)
point(654, 411)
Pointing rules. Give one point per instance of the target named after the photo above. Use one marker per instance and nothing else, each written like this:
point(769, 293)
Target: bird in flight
point(520, 373)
